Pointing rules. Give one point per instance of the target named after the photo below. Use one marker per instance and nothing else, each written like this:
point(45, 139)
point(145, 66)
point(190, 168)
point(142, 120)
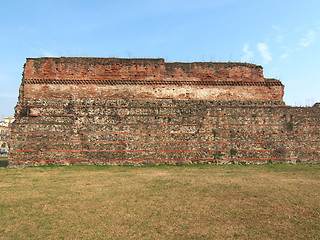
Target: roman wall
point(114, 111)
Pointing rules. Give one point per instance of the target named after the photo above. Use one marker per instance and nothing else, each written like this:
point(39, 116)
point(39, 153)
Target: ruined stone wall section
point(146, 111)
point(124, 131)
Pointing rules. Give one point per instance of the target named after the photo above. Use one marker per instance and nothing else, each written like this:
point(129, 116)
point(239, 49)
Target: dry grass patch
point(161, 202)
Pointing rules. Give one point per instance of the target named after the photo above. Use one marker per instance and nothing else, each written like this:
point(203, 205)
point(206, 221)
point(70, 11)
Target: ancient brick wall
point(63, 125)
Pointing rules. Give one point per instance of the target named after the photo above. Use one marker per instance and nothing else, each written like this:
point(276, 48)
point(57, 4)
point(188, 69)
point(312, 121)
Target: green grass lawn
point(161, 202)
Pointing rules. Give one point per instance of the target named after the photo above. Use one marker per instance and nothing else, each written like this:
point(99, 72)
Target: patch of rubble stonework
point(156, 102)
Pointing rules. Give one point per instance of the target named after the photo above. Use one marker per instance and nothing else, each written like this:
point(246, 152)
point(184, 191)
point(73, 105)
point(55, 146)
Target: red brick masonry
point(146, 111)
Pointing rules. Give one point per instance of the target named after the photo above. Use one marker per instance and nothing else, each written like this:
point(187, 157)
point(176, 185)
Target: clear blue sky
point(280, 35)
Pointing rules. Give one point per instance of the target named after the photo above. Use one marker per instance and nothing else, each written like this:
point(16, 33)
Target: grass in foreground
point(163, 202)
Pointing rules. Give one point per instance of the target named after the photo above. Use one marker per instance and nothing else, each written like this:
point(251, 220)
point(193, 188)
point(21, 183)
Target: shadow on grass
point(3, 162)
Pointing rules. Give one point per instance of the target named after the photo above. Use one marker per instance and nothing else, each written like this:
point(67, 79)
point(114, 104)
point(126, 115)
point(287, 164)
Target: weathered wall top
point(118, 69)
